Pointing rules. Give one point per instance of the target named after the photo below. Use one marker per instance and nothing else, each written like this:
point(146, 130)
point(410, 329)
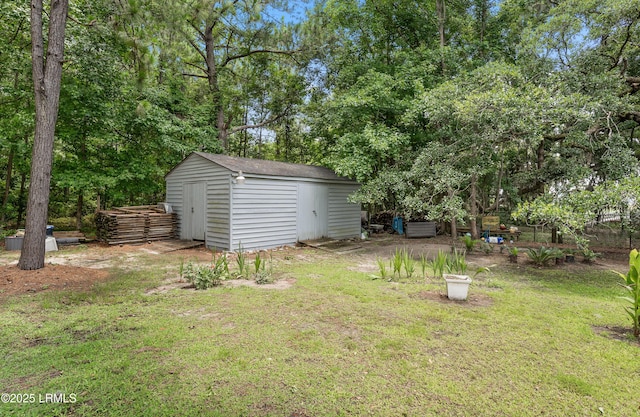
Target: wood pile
point(135, 225)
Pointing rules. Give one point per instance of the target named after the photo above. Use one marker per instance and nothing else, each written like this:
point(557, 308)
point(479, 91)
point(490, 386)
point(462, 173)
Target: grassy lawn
point(337, 343)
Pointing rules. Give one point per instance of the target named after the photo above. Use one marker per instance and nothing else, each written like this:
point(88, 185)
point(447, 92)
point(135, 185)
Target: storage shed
point(227, 201)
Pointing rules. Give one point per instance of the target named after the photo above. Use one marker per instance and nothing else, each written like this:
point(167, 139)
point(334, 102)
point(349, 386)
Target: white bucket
point(50, 244)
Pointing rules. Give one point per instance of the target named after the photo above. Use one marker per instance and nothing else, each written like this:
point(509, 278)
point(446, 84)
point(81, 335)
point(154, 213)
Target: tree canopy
point(440, 109)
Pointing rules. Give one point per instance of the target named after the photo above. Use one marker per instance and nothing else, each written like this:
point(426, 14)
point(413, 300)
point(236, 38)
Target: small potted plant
point(456, 277)
point(589, 256)
point(513, 254)
point(569, 256)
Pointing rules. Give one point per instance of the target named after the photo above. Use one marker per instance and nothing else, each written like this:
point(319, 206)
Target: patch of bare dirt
point(14, 281)
point(27, 382)
point(476, 300)
point(177, 283)
point(623, 334)
point(281, 284)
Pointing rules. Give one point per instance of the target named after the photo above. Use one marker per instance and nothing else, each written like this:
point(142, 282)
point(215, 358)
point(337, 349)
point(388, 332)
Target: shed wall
point(197, 169)
point(344, 217)
point(264, 214)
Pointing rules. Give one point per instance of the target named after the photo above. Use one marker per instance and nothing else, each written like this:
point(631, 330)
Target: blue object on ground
point(397, 225)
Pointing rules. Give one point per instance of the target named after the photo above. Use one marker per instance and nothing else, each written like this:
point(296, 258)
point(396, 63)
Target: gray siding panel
point(344, 217)
point(264, 214)
point(218, 212)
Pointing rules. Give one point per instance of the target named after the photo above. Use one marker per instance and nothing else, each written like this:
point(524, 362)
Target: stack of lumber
point(135, 224)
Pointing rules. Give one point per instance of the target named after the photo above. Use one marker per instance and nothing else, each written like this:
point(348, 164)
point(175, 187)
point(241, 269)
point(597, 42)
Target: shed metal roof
point(272, 168)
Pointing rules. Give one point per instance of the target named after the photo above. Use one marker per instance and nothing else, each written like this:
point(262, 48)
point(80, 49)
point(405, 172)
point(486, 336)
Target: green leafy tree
point(16, 108)
point(227, 43)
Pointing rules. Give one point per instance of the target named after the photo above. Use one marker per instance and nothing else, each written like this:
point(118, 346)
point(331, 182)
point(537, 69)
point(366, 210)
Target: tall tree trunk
point(223, 131)
point(441, 13)
point(454, 227)
point(47, 75)
point(540, 164)
point(500, 175)
point(482, 11)
point(214, 88)
point(287, 138)
point(7, 187)
point(473, 207)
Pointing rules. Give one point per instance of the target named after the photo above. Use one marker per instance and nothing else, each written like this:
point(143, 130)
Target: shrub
point(469, 243)
point(8, 232)
point(589, 256)
point(486, 247)
point(542, 256)
point(262, 275)
point(207, 276)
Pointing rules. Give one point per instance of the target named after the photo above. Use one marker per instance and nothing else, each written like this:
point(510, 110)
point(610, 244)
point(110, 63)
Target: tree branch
point(197, 29)
point(76, 21)
point(616, 58)
point(196, 66)
point(187, 74)
point(263, 123)
point(17, 32)
point(197, 48)
point(257, 51)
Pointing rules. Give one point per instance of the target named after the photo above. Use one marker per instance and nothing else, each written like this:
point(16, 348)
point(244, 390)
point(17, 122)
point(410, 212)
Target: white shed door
point(313, 219)
point(194, 213)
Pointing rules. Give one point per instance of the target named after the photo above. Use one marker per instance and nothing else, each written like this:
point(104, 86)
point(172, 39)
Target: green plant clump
point(397, 261)
point(456, 263)
point(438, 264)
point(542, 256)
point(632, 286)
point(589, 256)
point(207, 276)
point(408, 263)
point(424, 264)
point(262, 275)
point(469, 242)
point(241, 260)
point(382, 268)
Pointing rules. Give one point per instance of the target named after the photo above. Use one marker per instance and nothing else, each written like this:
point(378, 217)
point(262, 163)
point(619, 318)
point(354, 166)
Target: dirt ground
point(71, 268)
